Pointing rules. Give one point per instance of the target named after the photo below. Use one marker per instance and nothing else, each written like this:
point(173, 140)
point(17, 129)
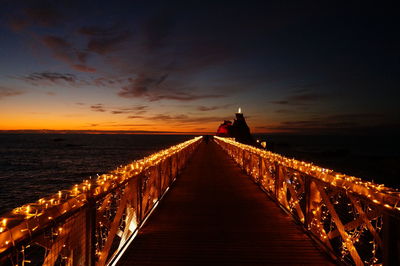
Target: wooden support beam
point(353, 251)
point(114, 228)
point(366, 221)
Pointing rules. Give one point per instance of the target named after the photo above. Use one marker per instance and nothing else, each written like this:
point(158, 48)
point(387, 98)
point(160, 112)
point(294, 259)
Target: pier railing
point(92, 223)
point(357, 221)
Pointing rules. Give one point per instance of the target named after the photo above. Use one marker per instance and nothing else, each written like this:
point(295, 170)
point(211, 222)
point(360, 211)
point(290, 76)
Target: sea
point(33, 166)
point(372, 158)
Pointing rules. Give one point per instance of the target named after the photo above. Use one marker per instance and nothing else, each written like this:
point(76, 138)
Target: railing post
point(391, 239)
point(277, 180)
point(91, 232)
point(307, 195)
point(323, 189)
point(243, 160)
point(170, 177)
point(159, 181)
point(260, 170)
point(140, 197)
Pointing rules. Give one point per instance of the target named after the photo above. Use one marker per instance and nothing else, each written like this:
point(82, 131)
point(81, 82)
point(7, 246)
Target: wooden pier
point(209, 203)
point(215, 214)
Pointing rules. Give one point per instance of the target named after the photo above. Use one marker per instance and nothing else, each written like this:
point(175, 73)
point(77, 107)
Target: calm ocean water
point(373, 158)
point(36, 165)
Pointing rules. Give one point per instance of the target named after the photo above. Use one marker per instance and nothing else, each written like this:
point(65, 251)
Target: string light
point(285, 179)
point(378, 192)
point(24, 218)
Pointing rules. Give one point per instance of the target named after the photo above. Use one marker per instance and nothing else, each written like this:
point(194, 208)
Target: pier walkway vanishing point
point(215, 214)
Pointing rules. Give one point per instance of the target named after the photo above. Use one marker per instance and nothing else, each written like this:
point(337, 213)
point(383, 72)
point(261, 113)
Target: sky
point(185, 66)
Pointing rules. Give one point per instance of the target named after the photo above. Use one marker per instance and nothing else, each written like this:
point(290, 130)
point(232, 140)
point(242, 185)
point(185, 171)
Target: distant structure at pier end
point(238, 130)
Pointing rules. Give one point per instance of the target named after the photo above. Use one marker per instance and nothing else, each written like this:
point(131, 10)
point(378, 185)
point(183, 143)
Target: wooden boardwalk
point(215, 215)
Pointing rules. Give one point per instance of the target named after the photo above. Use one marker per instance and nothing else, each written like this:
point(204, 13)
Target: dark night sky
point(293, 66)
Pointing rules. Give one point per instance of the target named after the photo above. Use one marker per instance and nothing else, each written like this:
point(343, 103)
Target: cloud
point(183, 96)
point(335, 121)
point(7, 92)
point(158, 48)
point(182, 118)
point(18, 24)
point(211, 108)
point(206, 119)
point(128, 111)
point(302, 88)
point(103, 81)
point(60, 47)
point(99, 31)
point(136, 110)
point(283, 111)
point(83, 68)
point(304, 97)
point(45, 14)
point(56, 43)
point(301, 97)
point(168, 117)
point(49, 78)
point(151, 88)
point(156, 88)
point(311, 126)
point(358, 116)
point(343, 123)
point(141, 86)
point(104, 44)
point(98, 108)
point(131, 125)
point(205, 108)
point(64, 51)
point(302, 123)
point(115, 124)
point(280, 102)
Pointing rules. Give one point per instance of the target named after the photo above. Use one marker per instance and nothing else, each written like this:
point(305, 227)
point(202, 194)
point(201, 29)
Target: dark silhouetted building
point(238, 130)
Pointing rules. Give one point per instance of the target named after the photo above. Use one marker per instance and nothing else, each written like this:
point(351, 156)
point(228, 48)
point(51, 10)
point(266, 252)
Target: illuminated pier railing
point(357, 221)
point(92, 223)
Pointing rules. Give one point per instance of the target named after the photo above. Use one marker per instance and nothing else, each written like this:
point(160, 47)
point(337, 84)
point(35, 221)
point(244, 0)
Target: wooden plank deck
point(214, 215)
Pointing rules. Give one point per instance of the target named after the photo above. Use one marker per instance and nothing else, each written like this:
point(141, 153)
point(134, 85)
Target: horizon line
point(155, 132)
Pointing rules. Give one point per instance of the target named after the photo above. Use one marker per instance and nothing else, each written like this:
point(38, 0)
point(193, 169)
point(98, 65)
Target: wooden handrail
point(92, 222)
point(354, 219)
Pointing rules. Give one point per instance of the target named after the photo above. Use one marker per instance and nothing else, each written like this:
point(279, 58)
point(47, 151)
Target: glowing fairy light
point(290, 180)
point(277, 174)
point(349, 183)
point(54, 206)
point(3, 225)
